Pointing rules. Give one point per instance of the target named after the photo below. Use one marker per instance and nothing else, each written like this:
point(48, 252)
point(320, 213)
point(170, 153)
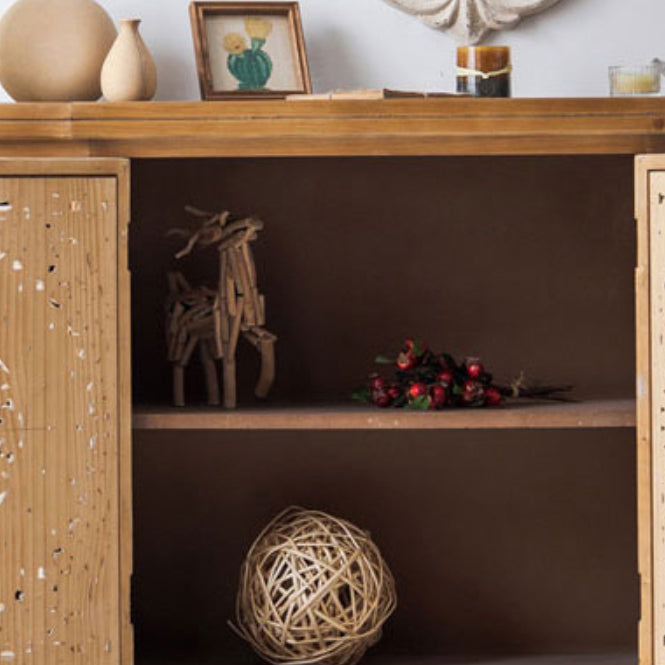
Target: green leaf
point(382, 359)
point(420, 403)
point(418, 348)
point(362, 395)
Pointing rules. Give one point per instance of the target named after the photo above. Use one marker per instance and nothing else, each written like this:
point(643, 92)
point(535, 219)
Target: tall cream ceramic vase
point(129, 73)
point(53, 50)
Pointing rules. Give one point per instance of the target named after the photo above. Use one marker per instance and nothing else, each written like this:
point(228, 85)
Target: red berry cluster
point(425, 380)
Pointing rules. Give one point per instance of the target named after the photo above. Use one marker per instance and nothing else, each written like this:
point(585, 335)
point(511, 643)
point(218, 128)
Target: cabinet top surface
point(434, 126)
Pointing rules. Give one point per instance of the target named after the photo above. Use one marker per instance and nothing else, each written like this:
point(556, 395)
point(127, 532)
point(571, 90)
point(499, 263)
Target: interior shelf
point(611, 413)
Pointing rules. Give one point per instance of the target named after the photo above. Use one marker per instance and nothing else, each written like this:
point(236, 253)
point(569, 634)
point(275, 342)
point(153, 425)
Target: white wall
point(563, 52)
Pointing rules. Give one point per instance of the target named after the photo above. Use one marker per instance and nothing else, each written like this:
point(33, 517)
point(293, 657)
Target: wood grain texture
point(125, 413)
point(591, 414)
point(448, 126)
point(643, 392)
point(60, 526)
point(657, 305)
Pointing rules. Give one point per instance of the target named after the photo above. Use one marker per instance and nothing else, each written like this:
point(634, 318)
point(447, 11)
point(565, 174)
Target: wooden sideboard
point(498, 227)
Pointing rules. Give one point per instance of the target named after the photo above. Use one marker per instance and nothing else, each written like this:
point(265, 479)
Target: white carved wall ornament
point(470, 20)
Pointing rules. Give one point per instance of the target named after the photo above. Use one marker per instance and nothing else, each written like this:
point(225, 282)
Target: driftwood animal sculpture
point(214, 319)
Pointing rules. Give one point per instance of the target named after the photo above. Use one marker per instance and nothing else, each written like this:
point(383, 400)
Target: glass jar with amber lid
point(484, 71)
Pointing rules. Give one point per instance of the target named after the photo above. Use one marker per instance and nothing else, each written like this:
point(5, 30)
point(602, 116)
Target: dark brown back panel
point(527, 262)
point(516, 542)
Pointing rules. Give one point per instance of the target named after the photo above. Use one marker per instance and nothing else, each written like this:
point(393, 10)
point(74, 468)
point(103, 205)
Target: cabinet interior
point(502, 542)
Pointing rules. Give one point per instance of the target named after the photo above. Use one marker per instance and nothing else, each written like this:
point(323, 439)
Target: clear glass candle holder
point(640, 80)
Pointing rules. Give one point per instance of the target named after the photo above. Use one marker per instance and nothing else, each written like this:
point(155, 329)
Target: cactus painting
point(250, 65)
point(249, 50)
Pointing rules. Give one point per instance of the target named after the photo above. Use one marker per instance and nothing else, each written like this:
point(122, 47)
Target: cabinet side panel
point(657, 263)
point(643, 393)
point(59, 518)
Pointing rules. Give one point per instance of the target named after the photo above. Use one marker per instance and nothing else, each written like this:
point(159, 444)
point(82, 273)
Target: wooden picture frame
point(236, 57)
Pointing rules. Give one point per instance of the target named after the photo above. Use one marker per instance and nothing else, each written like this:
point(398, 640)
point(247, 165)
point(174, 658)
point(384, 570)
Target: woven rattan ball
point(313, 589)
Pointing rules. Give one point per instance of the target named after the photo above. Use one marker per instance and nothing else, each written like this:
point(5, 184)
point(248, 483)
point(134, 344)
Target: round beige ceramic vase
point(53, 50)
point(129, 73)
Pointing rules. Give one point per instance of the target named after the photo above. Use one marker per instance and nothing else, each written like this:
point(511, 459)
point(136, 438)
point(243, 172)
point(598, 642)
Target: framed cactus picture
point(249, 50)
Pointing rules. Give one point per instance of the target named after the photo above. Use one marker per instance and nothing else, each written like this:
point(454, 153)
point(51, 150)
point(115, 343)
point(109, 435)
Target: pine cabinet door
point(65, 504)
point(650, 298)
